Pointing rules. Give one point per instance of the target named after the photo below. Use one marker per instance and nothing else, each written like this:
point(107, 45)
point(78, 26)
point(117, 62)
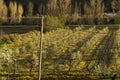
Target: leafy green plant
point(53, 22)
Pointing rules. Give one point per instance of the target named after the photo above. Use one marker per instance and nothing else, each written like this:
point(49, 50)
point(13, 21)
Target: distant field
point(92, 52)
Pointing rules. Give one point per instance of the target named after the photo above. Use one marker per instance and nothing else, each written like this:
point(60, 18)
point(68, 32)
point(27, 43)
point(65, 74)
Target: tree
point(3, 12)
point(42, 9)
point(99, 11)
point(94, 12)
point(52, 7)
point(30, 8)
point(29, 13)
point(19, 13)
point(87, 15)
point(75, 15)
point(64, 6)
point(16, 12)
point(13, 11)
point(115, 4)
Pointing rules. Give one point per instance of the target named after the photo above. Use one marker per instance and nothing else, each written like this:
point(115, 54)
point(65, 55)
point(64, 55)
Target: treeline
point(70, 11)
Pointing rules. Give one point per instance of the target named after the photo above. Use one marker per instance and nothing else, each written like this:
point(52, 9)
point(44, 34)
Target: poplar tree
point(3, 12)
point(52, 7)
point(30, 8)
point(13, 11)
point(94, 12)
point(19, 13)
point(16, 12)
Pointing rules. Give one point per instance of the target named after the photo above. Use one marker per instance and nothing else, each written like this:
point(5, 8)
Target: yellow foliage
point(46, 62)
point(16, 12)
point(92, 77)
point(20, 13)
point(3, 11)
point(45, 46)
point(81, 65)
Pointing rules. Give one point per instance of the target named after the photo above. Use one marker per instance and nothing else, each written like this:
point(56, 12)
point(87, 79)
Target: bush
point(53, 22)
point(117, 18)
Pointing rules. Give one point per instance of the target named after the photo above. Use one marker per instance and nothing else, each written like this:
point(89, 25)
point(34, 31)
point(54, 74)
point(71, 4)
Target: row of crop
point(86, 51)
point(91, 44)
point(91, 54)
point(117, 50)
point(25, 42)
point(23, 48)
point(62, 46)
point(54, 37)
point(107, 59)
point(33, 37)
point(107, 54)
point(29, 41)
point(24, 52)
point(55, 52)
point(62, 52)
point(76, 58)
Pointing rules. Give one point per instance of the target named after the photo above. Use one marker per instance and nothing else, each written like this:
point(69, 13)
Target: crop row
point(22, 47)
point(63, 50)
point(74, 59)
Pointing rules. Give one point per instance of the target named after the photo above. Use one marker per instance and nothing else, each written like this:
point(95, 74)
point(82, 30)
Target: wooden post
point(40, 54)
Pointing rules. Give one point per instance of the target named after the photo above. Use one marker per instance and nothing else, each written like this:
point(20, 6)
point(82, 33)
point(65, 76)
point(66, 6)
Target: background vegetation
point(72, 11)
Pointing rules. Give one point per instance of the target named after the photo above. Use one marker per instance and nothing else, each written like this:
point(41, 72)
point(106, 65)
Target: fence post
point(40, 54)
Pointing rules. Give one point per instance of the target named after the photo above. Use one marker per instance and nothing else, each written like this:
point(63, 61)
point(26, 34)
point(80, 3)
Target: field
point(72, 54)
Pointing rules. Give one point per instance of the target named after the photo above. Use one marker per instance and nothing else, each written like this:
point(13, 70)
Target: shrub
point(53, 22)
point(117, 18)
